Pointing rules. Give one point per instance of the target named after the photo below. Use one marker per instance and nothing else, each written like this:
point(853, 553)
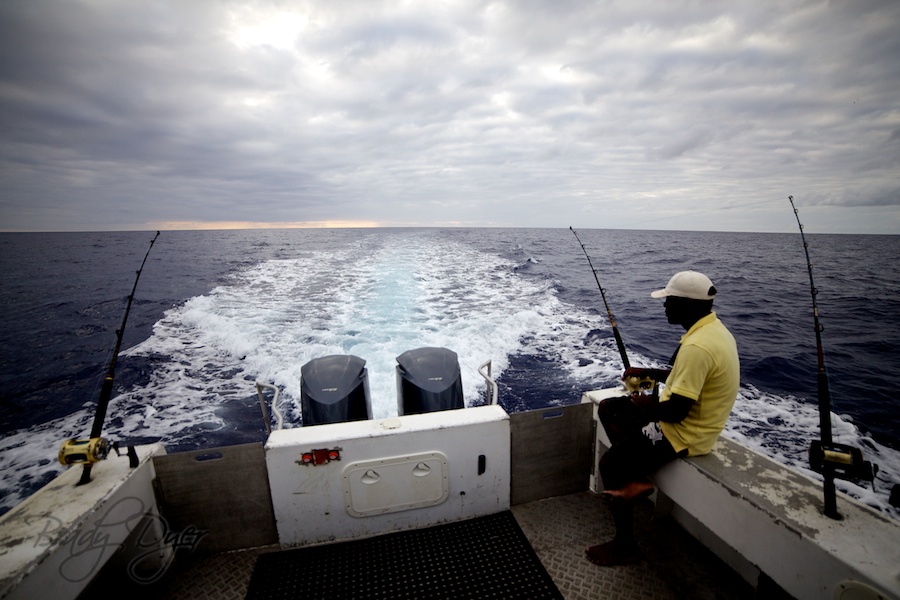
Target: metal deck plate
point(675, 566)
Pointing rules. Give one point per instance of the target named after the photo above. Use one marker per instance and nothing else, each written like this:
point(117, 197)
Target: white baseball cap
point(688, 284)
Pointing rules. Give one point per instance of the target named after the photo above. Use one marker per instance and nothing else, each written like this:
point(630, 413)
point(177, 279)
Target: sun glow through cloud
point(275, 28)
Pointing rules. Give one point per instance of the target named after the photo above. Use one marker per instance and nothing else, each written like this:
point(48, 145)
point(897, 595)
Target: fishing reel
point(841, 461)
point(644, 380)
point(79, 452)
point(88, 452)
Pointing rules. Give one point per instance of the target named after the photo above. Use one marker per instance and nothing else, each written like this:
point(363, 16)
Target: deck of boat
point(674, 565)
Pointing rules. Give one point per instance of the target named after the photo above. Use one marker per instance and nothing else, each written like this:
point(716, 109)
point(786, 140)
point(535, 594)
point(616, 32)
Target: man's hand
point(644, 400)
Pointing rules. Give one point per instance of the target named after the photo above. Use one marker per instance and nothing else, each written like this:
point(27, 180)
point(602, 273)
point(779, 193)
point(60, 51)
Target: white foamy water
point(377, 301)
point(276, 316)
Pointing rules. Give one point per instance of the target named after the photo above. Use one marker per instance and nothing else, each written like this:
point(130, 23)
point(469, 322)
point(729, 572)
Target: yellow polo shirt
point(707, 371)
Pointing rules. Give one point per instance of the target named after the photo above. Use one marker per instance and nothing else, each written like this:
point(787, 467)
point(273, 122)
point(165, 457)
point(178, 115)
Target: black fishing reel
point(841, 461)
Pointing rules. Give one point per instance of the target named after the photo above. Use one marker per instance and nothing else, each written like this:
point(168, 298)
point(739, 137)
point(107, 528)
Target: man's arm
point(674, 410)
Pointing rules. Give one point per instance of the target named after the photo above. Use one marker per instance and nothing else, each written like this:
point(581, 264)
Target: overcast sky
point(126, 114)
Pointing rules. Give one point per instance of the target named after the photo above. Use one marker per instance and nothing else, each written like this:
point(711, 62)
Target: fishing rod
point(637, 379)
point(95, 449)
point(825, 456)
point(612, 321)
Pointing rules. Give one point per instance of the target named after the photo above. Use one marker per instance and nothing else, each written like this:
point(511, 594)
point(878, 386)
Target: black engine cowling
point(334, 389)
point(428, 380)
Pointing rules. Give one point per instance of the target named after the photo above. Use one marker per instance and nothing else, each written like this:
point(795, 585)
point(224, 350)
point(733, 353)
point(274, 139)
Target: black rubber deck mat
point(486, 557)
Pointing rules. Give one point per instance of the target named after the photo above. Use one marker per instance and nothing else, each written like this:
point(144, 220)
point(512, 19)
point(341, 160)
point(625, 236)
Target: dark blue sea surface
point(216, 311)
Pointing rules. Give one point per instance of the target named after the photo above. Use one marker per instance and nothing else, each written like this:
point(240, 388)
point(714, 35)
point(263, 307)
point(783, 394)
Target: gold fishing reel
point(78, 452)
point(643, 380)
point(841, 461)
point(639, 384)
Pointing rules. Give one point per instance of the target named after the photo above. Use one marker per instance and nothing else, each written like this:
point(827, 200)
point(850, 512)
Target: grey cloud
point(138, 112)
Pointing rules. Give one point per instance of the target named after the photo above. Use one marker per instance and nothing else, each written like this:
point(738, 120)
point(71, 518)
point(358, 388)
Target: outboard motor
point(334, 389)
point(428, 380)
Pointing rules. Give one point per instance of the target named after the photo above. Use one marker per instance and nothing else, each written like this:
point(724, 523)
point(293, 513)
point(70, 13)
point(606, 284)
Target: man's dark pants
point(631, 457)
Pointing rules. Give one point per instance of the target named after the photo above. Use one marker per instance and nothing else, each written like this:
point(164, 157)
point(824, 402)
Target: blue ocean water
point(216, 311)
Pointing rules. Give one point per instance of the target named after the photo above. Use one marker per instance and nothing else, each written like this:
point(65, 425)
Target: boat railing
point(491, 384)
point(262, 404)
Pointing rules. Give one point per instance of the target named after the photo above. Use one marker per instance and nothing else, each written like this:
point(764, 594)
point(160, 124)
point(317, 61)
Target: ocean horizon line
point(276, 227)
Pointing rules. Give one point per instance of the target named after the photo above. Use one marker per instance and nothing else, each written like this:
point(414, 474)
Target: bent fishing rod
point(612, 320)
point(96, 448)
point(637, 379)
point(826, 457)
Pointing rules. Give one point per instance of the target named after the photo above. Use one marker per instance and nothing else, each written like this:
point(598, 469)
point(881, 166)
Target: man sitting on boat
point(691, 411)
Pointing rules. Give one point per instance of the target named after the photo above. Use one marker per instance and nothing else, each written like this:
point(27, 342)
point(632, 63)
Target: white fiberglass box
point(363, 478)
